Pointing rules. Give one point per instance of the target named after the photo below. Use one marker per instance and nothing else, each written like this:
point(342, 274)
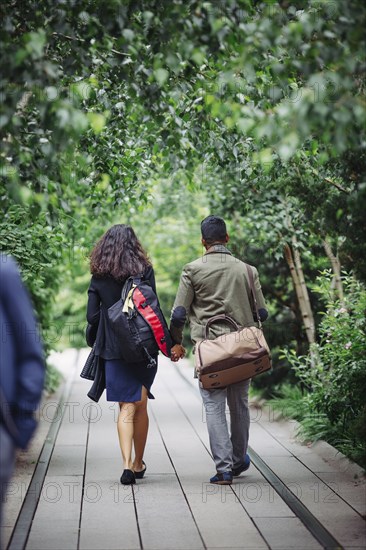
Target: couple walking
point(214, 284)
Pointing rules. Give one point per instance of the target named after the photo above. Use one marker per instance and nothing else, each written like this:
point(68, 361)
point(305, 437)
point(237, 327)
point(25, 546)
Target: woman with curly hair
point(116, 256)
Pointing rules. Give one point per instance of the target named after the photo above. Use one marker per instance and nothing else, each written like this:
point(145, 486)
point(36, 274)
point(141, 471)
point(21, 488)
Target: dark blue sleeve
point(263, 314)
point(28, 356)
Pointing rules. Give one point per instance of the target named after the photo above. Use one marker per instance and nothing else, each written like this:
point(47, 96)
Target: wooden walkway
point(75, 500)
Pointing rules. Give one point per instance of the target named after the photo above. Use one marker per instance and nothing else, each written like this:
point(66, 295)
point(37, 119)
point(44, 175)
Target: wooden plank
point(56, 520)
point(56, 523)
point(349, 488)
point(318, 474)
point(108, 518)
point(174, 506)
point(39, 489)
point(164, 518)
point(251, 490)
point(222, 523)
point(339, 518)
point(67, 460)
point(264, 443)
point(286, 533)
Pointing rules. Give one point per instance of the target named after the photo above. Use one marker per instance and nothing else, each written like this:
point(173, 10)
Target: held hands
point(177, 352)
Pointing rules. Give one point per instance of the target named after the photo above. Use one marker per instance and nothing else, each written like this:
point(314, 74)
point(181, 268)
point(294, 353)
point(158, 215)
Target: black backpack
point(138, 324)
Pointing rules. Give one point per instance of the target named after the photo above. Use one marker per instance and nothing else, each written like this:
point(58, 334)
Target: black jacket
point(102, 294)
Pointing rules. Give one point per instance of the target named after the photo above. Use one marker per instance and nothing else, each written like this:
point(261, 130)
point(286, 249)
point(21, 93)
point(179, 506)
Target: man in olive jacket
point(217, 283)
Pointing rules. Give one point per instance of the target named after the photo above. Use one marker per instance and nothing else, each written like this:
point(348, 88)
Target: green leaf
point(35, 43)
point(161, 76)
point(97, 122)
point(198, 56)
point(265, 158)
point(128, 34)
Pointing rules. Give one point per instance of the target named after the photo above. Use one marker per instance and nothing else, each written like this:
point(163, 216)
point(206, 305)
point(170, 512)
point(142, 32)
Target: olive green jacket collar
point(218, 248)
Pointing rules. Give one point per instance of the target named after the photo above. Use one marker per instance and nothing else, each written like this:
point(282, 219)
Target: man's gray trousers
point(228, 447)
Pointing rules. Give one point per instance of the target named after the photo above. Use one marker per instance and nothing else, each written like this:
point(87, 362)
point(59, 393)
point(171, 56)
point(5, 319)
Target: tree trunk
point(336, 268)
point(301, 292)
point(308, 312)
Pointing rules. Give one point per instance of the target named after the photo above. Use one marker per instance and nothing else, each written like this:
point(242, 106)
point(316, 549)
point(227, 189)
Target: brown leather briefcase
point(231, 357)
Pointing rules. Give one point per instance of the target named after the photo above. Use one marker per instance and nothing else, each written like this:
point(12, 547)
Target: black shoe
point(128, 477)
point(140, 475)
point(243, 467)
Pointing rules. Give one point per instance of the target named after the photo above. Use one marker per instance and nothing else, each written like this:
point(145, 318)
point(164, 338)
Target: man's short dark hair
point(213, 229)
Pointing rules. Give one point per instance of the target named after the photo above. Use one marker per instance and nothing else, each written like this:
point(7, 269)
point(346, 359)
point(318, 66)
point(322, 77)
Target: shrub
point(37, 248)
point(333, 404)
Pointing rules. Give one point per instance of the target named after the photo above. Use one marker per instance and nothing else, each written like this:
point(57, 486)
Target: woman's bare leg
point(125, 427)
point(141, 427)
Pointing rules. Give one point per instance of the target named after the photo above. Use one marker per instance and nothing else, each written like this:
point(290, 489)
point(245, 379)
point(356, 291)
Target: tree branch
point(328, 180)
point(77, 39)
point(332, 182)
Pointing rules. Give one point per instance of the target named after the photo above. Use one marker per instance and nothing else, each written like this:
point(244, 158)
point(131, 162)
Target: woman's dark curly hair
point(118, 254)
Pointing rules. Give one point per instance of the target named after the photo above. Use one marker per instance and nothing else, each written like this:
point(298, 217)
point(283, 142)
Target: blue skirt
point(124, 381)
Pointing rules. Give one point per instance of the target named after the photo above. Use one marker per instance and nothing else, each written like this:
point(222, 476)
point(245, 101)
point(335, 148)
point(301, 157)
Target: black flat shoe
point(140, 475)
point(128, 477)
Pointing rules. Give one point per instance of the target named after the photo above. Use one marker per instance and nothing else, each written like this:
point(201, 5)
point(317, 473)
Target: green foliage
point(290, 401)
point(70, 308)
point(333, 404)
point(37, 248)
point(53, 379)
point(69, 315)
point(256, 109)
point(340, 374)
point(293, 403)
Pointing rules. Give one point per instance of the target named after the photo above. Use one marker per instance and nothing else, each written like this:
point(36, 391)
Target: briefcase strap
point(221, 317)
point(251, 283)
